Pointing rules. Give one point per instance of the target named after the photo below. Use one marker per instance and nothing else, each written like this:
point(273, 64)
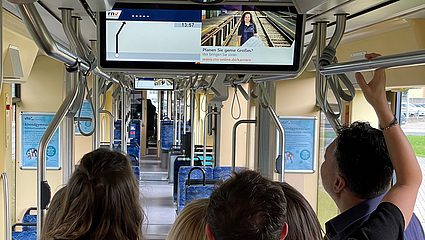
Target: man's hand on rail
point(374, 91)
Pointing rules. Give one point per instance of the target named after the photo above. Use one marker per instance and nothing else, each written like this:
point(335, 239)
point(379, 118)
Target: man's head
point(358, 160)
point(247, 206)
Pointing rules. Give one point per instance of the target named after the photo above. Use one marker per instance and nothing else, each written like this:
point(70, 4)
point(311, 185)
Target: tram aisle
point(156, 197)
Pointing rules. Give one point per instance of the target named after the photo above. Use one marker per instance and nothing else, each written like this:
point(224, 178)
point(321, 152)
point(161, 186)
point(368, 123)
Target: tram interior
point(80, 89)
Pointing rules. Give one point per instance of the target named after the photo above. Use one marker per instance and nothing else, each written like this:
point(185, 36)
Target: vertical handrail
point(281, 131)
point(179, 124)
point(158, 124)
point(6, 206)
point(205, 133)
point(111, 128)
point(96, 115)
point(175, 132)
point(234, 139)
point(184, 110)
point(192, 127)
point(123, 122)
point(45, 139)
point(279, 128)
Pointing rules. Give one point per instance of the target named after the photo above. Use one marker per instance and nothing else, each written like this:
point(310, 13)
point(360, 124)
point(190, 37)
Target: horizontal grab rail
point(389, 61)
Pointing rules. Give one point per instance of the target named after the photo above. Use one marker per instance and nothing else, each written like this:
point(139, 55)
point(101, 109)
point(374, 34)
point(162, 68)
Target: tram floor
point(157, 202)
point(156, 197)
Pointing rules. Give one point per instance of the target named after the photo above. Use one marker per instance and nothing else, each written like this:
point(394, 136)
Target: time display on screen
point(188, 25)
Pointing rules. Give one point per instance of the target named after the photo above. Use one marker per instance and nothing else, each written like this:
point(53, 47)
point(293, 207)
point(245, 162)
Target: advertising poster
point(33, 126)
point(299, 143)
point(86, 112)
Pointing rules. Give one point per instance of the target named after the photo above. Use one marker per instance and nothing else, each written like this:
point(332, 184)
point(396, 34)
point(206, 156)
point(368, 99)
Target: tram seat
point(27, 235)
point(183, 176)
point(181, 161)
point(224, 172)
point(29, 218)
point(133, 149)
point(172, 155)
point(134, 160)
point(198, 188)
point(166, 135)
point(136, 171)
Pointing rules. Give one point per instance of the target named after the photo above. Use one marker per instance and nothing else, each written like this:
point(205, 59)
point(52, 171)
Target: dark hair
point(243, 17)
point(301, 218)
point(362, 159)
point(101, 200)
point(247, 206)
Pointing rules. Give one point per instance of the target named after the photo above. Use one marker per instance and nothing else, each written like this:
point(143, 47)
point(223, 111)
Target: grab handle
point(204, 181)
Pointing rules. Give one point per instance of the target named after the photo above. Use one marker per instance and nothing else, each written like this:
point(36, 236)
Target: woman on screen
point(247, 29)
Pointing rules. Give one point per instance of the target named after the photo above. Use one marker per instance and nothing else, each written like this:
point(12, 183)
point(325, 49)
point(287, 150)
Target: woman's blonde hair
point(191, 222)
point(101, 201)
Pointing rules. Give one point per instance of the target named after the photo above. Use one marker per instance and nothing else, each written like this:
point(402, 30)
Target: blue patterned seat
point(225, 172)
point(179, 162)
point(29, 219)
point(25, 235)
point(134, 149)
point(183, 176)
point(194, 192)
point(136, 171)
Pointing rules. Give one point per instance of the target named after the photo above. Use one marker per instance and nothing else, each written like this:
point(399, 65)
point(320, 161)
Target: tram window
point(326, 207)
point(412, 122)
point(16, 92)
point(202, 38)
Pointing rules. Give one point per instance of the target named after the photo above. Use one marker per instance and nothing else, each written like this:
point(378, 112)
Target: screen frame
point(153, 89)
point(188, 68)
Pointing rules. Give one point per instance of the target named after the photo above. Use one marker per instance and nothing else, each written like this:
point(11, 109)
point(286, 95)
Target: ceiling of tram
point(369, 12)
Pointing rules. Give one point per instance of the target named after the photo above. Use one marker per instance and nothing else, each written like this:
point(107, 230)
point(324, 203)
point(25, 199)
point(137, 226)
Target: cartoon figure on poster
point(32, 154)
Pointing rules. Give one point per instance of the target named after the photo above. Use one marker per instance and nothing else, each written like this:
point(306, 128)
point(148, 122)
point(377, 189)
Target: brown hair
point(190, 223)
point(250, 19)
point(52, 212)
point(301, 218)
point(101, 201)
point(247, 206)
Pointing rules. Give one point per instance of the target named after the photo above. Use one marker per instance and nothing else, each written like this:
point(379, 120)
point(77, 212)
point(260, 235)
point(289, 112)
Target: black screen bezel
point(176, 67)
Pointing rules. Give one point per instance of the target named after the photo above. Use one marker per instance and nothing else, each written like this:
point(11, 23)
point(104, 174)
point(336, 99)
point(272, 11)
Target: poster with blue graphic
point(86, 112)
point(33, 126)
point(300, 144)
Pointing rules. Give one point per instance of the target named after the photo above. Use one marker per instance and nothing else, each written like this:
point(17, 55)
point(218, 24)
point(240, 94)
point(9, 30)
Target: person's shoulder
point(386, 222)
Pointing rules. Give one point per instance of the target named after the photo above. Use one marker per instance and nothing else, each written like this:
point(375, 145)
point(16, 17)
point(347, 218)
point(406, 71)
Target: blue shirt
point(341, 226)
point(246, 32)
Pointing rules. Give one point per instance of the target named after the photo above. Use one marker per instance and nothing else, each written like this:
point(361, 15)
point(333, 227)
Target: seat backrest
point(25, 235)
point(178, 162)
point(183, 176)
point(224, 172)
point(29, 218)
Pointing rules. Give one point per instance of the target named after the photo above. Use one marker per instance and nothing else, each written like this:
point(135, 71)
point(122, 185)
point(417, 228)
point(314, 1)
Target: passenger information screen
point(227, 37)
